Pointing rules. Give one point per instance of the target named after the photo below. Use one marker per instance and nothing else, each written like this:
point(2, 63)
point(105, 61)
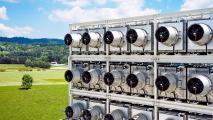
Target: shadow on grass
point(24, 88)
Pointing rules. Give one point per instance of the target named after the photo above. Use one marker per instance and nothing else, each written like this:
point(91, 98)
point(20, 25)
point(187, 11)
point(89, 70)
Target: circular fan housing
point(113, 78)
point(69, 112)
point(74, 40)
point(140, 116)
point(68, 76)
point(68, 39)
point(86, 77)
point(167, 35)
point(114, 38)
point(132, 80)
point(93, 39)
point(93, 113)
point(200, 34)
point(137, 37)
point(74, 111)
point(108, 78)
point(86, 38)
point(73, 76)
point(136, 80)
point(167, 82)
point(115, 115)
point(91, 77)
point(199, 85)
point(87, 115)
point(108, 117)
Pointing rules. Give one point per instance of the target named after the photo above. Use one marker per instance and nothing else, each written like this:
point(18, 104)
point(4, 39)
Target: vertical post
point(107, 69)
point(155, 73)
point(70, 83)
point(70, 95)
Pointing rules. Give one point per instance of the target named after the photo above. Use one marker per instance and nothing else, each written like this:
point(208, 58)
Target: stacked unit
point(156, 67)
point(115, 39)
point(199, 36)
point(140, 39)
point(171, 82)
point(170, 37)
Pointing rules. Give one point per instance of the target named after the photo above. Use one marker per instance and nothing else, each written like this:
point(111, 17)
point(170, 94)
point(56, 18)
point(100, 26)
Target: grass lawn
point(46, 102)
point(12, 75)
point(11, 66)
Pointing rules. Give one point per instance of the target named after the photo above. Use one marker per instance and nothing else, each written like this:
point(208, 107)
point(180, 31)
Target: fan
point(162, 83)
point(87, 115)
point(69, 112)
point(195, 32)
point(132, 80)
point(108, 37)
point(195, 86)
point(162, 34)
point(108, 79)
point(131, 36)
point(68, 75)
point(108, 117)
point(68, 39)
point(86, 38)
point(86, 77)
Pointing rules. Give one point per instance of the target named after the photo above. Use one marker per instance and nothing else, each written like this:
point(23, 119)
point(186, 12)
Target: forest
point(34, 54)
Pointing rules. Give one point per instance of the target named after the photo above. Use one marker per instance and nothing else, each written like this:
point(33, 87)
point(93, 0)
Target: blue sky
point(50, 18)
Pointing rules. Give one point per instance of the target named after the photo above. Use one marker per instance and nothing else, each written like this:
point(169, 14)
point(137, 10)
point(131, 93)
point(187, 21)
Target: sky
point(51, 18)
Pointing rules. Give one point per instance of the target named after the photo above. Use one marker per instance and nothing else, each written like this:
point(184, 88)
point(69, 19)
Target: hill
point(22, 40)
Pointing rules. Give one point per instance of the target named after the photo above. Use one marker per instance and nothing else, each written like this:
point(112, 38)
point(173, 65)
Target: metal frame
point(155, 59)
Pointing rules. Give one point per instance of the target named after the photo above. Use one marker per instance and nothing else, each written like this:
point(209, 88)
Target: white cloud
point(10, 1)
point(8, 31)
point(196, 4)
point(124, 8)
point(101, 2)
point(3, 13)
point(74, 2)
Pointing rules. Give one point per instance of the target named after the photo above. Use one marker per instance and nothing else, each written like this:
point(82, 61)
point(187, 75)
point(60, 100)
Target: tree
point(27, 81)
point(28, 63)
point(37, 63)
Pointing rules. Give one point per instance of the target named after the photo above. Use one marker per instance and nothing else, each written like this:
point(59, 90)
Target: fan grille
point(195, 32)
point(108, 37)
point(86, 38)
point(195, 86)
point(69, 112)
point(68, 39)
point(108, 117)
point(87, 115)
point(131, 36)
point(68, 75)
point(132, 80)
point(162, 83)
point(162, 34)
point(86, 77)
point(108, 79)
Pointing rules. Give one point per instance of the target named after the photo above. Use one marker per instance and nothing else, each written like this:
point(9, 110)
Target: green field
point(14, 73)
point(46, 102)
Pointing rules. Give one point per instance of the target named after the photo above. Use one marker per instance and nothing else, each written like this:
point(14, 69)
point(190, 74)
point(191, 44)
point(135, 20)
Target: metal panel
point(89, 93)
point(192, 47)
point(114, 58)
point(185, 59)
point(180, 45)
point(185, 107)
point(132, 99)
